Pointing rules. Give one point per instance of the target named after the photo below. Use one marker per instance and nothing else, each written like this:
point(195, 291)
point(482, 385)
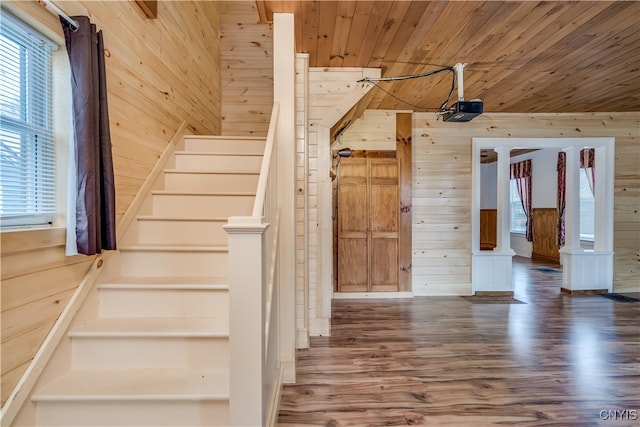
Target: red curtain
point(521, 172)
point(562, 189)
point(587, 162)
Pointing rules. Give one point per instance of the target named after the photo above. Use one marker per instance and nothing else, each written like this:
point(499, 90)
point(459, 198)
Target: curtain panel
point(562, 188)
point(521, 172)
point(95, 200)
point(588, 163)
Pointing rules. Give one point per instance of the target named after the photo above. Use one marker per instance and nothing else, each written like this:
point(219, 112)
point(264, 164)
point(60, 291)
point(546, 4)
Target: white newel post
point(246, 320)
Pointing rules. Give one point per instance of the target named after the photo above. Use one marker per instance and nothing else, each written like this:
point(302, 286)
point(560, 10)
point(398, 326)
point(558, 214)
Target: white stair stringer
point(156, 352)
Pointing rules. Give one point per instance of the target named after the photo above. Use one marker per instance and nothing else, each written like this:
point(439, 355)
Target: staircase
point(157, 353)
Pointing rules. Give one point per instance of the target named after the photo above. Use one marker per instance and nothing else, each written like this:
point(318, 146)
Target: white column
point(491, 270)
point(284, 81)
point(246, 325)
point(324, 289)
point(503, 226)
point(589, 270)
point(572, 200)
point(604, 189)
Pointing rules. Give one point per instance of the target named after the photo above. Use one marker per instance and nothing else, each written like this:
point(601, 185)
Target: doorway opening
point(586, 253)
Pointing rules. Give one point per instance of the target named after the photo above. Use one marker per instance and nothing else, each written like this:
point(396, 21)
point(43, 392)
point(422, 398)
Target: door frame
point(583, 270)
point(404, 132)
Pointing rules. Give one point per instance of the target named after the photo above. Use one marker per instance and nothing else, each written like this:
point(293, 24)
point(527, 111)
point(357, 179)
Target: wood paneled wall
point(488, 223)
point(160, 73)
point(246, 65)
point(442, 189)
point(545, 235)
point(37, 282)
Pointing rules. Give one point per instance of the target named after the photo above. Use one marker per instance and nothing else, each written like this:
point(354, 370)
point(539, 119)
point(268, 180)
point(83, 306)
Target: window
point(518, 217)
point(27, 148)
point(587, 206)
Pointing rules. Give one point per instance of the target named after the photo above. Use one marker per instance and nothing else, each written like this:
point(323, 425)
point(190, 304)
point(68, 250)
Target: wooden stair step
point(150, 327)
point(203, 193)
point(180, 218)
point(173, 248)
point(195, 143)
point(135, 397)
point(137, 384)
point(166, 297)
point(214, 283)
point(202, 204)
point(218, 161)
point(114, 343)
point(210, 172)
point(219, 153)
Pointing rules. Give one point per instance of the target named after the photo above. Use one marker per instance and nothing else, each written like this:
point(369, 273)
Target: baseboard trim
point(274, 404)
point(372, 295)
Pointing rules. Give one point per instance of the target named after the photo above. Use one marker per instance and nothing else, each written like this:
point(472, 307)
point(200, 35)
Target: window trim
point(32, 120)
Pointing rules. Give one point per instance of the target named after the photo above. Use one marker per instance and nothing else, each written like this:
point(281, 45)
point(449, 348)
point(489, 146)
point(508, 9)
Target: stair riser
point(201, 206)
point(174, 264)
point(182, 232)
point(133, 413)
point(221, 146)
point(211, 182)
point(225, 163)
point(166, 303)
point(150, 353)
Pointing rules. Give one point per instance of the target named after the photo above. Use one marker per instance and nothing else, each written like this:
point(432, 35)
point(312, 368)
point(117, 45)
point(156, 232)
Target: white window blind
point(27, 149)
point(518, 217)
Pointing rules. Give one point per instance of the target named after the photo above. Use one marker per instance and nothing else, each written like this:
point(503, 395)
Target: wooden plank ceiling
point(523, 56)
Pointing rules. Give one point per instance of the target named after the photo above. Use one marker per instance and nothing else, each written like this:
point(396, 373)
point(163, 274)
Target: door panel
point(353, 256)
point(352, 265)
point(384, 264)
point(368, 221)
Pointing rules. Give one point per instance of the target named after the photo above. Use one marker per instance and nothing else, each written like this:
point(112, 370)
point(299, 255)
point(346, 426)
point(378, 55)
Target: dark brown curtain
point(95, 203)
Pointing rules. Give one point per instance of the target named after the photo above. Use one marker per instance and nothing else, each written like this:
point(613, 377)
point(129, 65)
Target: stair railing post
point(246, 320)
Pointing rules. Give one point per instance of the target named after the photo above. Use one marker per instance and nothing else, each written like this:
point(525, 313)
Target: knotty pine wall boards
point(160, 73)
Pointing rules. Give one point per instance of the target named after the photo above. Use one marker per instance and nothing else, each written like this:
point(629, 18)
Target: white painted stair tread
point(151, 327)
point(168, 281)
point(177, 247)
point(219, 153)
point(137, 384)
point(213, 172)
point(181, 218)
point(203, 193)
point(233, 138)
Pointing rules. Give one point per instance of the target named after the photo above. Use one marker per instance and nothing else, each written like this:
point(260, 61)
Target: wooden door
point(368, 223)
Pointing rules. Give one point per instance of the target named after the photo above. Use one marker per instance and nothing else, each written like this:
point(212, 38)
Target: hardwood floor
point(557, 360)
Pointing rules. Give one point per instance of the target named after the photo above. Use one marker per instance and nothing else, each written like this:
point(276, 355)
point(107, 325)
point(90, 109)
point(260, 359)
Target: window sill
point(25, 239)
